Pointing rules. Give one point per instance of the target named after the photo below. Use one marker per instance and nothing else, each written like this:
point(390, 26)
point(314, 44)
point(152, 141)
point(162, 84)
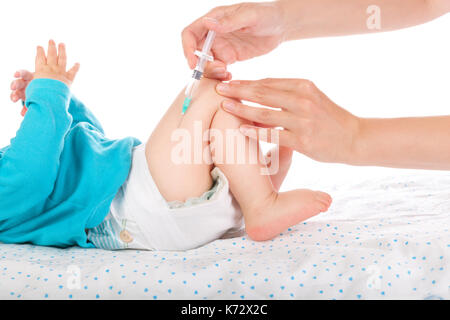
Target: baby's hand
point(53, 66)
point(18, 87)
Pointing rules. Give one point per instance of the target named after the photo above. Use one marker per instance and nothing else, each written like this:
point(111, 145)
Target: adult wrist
point(358, 151)
point(290, 19)
point(285, 13)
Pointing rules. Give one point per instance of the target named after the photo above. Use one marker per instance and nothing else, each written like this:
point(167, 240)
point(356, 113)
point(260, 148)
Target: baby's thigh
point(177, 152)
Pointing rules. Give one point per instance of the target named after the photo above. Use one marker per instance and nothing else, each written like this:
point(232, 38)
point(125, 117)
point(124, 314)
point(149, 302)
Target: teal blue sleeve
point(80, 113)
point(2, 151)
point(29, 165)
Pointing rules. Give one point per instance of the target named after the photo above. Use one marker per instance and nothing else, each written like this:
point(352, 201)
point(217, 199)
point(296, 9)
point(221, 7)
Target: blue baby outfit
point(60, 174)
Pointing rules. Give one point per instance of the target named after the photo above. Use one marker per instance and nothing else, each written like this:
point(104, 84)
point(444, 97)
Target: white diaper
point(140, 218)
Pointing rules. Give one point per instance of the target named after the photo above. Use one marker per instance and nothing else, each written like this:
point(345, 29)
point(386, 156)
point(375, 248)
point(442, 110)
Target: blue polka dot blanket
point(387, 238)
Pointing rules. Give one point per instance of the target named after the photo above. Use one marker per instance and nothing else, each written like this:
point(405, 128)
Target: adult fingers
point(220, 76)
point(217, 70)
point(265, 116)
point(230, 18)
point(256, 91)
point(223, 51)
point(191, 38)
point(223, 19)
point(301, 87)
point(283, 138)
point(262, 125)
point(62, 57)
point(52, 57)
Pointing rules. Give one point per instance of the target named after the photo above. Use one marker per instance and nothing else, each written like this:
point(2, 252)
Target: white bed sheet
point(384, 238)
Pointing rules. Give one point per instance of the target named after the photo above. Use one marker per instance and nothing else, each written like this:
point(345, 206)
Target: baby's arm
point(29, 166)
point(78, 111)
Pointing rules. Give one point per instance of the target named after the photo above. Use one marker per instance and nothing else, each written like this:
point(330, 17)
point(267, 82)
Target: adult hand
point(311, 123)
point(243, 30)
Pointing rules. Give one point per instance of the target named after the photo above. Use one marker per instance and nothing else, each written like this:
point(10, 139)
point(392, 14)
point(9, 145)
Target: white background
point(132, 67)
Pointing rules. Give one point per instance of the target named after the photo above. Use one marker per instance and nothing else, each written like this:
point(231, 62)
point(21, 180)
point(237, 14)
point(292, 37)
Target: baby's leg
point(180, 181)
point(266, 212)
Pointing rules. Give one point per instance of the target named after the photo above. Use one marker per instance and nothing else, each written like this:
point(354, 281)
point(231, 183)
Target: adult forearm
point(319, 18)
point(417, 143)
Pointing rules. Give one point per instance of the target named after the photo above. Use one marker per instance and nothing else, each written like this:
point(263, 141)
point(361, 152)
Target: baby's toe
point(324, 199)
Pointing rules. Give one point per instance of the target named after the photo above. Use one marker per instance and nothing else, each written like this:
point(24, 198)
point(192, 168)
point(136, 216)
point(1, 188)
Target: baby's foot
point(284, 210)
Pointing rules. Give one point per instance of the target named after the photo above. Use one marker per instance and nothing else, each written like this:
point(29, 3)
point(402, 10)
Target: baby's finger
point(52, 58)
point(40, 56)
point(17, 95)
point(24, 110)
point(24, 74)
point(62, 58)
point(20, 94)
point(13, 97)
point(18, 84)
point(73, 71)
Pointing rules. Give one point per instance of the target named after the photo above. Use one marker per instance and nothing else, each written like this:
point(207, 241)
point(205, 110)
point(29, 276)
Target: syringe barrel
point(206, 49)
point(200, 67)
point(209, 41)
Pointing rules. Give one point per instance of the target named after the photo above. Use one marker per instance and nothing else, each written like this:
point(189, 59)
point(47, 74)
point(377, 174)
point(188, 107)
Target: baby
point(63, 183)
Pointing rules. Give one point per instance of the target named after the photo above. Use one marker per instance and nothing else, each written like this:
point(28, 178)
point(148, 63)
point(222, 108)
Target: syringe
point(203, 56)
